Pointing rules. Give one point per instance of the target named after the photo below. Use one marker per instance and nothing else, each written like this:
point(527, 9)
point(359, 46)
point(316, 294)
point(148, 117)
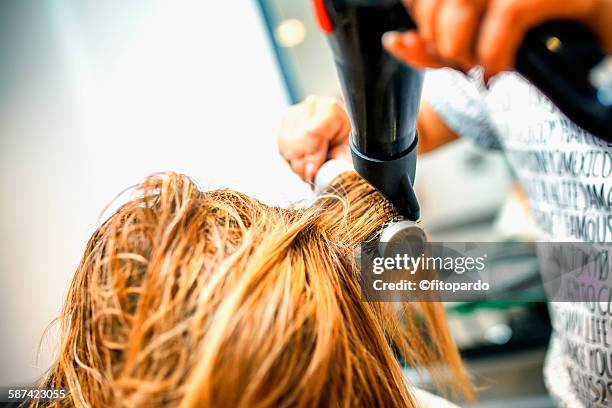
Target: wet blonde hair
point(189, 298)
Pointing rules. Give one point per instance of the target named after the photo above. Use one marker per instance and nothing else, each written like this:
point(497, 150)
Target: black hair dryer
point(382, 95)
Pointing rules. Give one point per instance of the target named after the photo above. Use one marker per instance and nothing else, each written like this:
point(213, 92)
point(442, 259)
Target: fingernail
point(389, 38)
point(310, 169)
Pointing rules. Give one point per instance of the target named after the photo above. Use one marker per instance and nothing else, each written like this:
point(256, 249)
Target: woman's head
point(194, 298)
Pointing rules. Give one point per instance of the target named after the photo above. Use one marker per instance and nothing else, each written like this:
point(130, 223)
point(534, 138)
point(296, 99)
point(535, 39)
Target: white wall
point(97, 95)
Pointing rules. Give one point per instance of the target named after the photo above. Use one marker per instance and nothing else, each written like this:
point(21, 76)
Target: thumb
point(310, 172)
point(314, 163)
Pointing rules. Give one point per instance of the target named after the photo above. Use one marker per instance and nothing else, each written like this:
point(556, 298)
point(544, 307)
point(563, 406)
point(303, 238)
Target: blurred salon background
point(94, 96)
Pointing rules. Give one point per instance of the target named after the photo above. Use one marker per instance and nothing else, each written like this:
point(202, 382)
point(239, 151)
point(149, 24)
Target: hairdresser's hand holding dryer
point(565, 171)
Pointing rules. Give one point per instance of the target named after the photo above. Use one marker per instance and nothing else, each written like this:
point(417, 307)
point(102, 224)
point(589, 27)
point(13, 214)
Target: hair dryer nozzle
point(382, 94)
point(393, 178)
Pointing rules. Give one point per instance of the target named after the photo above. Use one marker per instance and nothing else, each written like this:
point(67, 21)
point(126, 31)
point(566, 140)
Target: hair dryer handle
point(567, 63)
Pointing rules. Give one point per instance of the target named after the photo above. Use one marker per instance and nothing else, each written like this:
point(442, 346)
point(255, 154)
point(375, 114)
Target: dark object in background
point(565, 61)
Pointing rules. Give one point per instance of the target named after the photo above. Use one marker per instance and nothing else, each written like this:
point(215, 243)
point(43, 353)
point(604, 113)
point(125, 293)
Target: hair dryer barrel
point(382, 95)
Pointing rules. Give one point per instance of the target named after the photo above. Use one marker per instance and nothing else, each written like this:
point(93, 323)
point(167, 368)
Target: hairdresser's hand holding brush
point(312, 132)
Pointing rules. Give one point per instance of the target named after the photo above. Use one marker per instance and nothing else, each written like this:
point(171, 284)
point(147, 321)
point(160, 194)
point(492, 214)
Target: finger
point(456, 29)
point(285, 139)
point(297, 165)
point(341, 136)
point(341, 152)
point(506, 23)
point(313, 163)
point(309, 172)
point(598, 20)
point(328, 119)
point(410, 48)
point(423, 13)
point(284, 148)
point(285, 144)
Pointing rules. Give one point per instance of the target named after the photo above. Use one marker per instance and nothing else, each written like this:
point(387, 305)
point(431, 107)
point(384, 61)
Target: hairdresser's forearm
point(433, 132)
